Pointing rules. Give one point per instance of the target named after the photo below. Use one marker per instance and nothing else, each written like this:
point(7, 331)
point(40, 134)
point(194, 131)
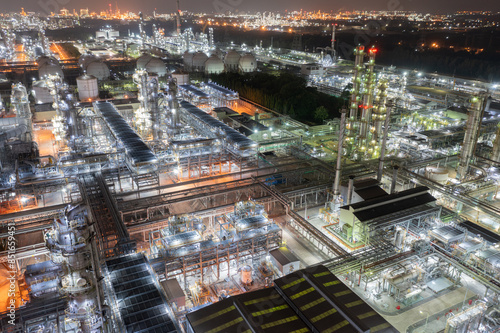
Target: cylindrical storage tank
point(248, 63)
point(98, 69)
point(157, 66)
point(88, 88)
point(50, 68)
point(246, 275)
point(41, 92)
point(199, 60)
point(143, 60)
point(232, 61)
point(181, 77)
point(437, 174)
point(214, 65)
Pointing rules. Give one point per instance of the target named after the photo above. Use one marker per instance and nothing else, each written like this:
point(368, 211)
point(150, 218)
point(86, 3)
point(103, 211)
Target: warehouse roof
point(478, 230)
point(283, 256)
point(312, 299)
point(193, 90)
point(136, 149)
point(232, 135)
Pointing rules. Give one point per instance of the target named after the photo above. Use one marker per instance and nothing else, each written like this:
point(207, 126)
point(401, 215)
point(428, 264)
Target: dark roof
point(394, 207)
point(283, 256)
point(370, 193)
point(476, 229)
point(173, 289)
point(306, 300)
point(225, 109)
point(393, 196)
point(140, 303)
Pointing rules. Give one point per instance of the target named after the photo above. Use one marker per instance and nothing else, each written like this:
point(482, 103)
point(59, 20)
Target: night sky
point(166, 6)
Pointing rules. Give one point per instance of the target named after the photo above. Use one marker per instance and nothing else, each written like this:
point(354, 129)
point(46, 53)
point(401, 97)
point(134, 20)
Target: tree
point(320, 114)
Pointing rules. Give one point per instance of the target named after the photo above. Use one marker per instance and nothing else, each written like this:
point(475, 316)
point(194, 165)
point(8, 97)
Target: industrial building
point(146, 198)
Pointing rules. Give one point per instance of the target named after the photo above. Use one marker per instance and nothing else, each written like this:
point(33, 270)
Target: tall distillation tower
point(367, 109)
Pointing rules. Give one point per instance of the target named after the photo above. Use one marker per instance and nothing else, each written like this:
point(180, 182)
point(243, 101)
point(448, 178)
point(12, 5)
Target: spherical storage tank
point(85, 60)
point(157, 66)
point(41, 92)
point(248, 63)
point(50, 68)
point(199, 60)
point(44, 60)
point(187, 58)
point(87, 87)
point(98, 69)
point(214, 65)
point(143, 60)
point(232, 60)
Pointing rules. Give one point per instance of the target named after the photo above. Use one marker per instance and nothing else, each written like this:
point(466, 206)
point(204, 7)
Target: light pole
point(426, 319)
point(466, 290)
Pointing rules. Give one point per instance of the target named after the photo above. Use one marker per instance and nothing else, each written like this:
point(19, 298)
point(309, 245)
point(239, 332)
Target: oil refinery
point(138, 193)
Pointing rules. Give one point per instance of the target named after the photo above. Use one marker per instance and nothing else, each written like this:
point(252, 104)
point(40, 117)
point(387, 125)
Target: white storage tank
point(88, 89)
point(98, 69)
point(85, 60)
point(232, 61)
point(143, 60)
point(50, 68)
point(181, 77)
point(437, 174)
point(214, 65)
point(157, 66)
point(246, 275)
point(41, 92)
point(199, 60)
point(248, 63)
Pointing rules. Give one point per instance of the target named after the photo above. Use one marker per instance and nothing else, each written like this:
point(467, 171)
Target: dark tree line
point(285, 93)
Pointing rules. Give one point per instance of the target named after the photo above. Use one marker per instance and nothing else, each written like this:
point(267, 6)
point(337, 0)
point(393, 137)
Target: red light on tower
point(373, 50)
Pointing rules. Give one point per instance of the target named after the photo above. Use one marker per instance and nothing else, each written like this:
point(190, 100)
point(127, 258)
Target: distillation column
point(352, 123)
point(54, 83)
point(475, 116)
point(338, 171)
point(367, 106)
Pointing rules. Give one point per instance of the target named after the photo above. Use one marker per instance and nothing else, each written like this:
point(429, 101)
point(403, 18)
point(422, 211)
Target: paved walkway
point(434, 307)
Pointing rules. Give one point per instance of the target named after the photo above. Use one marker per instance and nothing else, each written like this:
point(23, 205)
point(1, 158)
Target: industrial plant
point(138, 193)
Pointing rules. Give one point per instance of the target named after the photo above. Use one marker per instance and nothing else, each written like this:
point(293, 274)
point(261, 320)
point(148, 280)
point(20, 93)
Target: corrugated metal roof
point(221, 89)
point(136, 149)
point(141, 306)
point(306, 300)
point(193, 90)
point(233, 136)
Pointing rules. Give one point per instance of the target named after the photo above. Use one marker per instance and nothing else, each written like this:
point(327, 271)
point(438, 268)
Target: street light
point(426, 319)
point(466, 290)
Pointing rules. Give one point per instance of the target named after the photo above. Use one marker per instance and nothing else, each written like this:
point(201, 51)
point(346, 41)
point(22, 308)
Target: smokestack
point(384, 140)
point(336, 184)
point(178, 18)
point(394, 179)
point(333, 42)
point(350, 188)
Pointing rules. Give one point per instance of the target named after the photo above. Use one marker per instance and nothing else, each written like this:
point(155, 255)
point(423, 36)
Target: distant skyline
point(168, 6)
